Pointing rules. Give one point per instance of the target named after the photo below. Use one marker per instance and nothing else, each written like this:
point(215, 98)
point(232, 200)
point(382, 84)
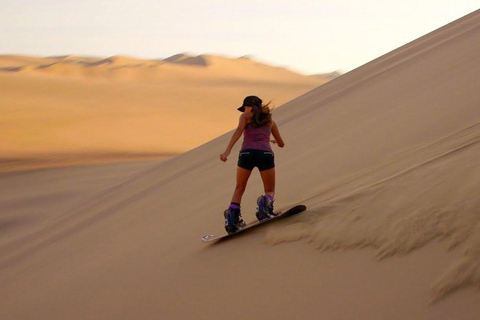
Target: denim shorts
point(263, 160)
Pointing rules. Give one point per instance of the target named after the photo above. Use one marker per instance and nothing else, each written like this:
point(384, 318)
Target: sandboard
point(290, 212)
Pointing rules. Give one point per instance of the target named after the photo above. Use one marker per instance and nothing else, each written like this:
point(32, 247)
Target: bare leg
point(268, 178)
point(241, 185)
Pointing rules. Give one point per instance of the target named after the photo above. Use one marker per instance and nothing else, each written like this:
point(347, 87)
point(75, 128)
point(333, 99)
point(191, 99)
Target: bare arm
point(242, 123)
point(276, 134)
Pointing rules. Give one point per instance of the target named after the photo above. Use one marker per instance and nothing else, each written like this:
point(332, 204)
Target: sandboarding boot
point(233, 220)
point(264, 208)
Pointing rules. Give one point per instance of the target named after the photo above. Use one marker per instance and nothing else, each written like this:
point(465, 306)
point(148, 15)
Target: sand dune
point(188, 60)
point(385, 157)
point(70, 109)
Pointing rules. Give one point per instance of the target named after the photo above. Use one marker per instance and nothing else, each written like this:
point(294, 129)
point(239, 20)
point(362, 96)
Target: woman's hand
point(224, 156)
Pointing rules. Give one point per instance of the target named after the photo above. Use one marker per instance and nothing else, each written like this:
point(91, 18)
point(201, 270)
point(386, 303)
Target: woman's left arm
point(277, 136)
point(242, 123)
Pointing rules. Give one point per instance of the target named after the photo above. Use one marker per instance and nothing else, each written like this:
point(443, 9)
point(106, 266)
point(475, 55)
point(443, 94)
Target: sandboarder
point(256, 125)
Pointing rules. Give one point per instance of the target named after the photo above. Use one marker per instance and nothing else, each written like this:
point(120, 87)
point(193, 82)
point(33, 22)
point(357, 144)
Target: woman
point(256, 125)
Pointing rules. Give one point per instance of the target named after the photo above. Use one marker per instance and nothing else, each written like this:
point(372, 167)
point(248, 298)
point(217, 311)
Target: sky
point(307, 36)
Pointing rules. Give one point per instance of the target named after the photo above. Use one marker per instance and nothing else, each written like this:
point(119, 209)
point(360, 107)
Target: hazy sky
point(308, 36)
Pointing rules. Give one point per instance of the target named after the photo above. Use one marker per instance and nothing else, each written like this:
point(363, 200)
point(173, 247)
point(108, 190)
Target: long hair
point(261, 115)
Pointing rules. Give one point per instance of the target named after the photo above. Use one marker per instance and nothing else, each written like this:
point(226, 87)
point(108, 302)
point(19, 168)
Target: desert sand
point(78, 110)
point(385, 157)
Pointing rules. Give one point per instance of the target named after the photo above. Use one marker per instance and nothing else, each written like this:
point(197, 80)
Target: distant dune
point(79, 110)
point(188, 60)
point(328, 76)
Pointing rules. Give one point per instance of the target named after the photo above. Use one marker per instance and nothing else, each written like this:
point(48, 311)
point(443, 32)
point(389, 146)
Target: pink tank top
point(257, 138)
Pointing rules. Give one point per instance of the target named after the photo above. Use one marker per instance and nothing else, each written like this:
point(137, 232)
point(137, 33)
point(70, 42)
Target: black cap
point(250, 101)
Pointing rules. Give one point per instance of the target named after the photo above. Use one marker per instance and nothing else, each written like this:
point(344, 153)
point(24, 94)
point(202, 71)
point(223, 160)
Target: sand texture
point(385, 157)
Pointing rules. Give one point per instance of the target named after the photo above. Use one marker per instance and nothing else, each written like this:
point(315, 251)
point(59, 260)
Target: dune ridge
point(71, 65)
point(412, 191)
